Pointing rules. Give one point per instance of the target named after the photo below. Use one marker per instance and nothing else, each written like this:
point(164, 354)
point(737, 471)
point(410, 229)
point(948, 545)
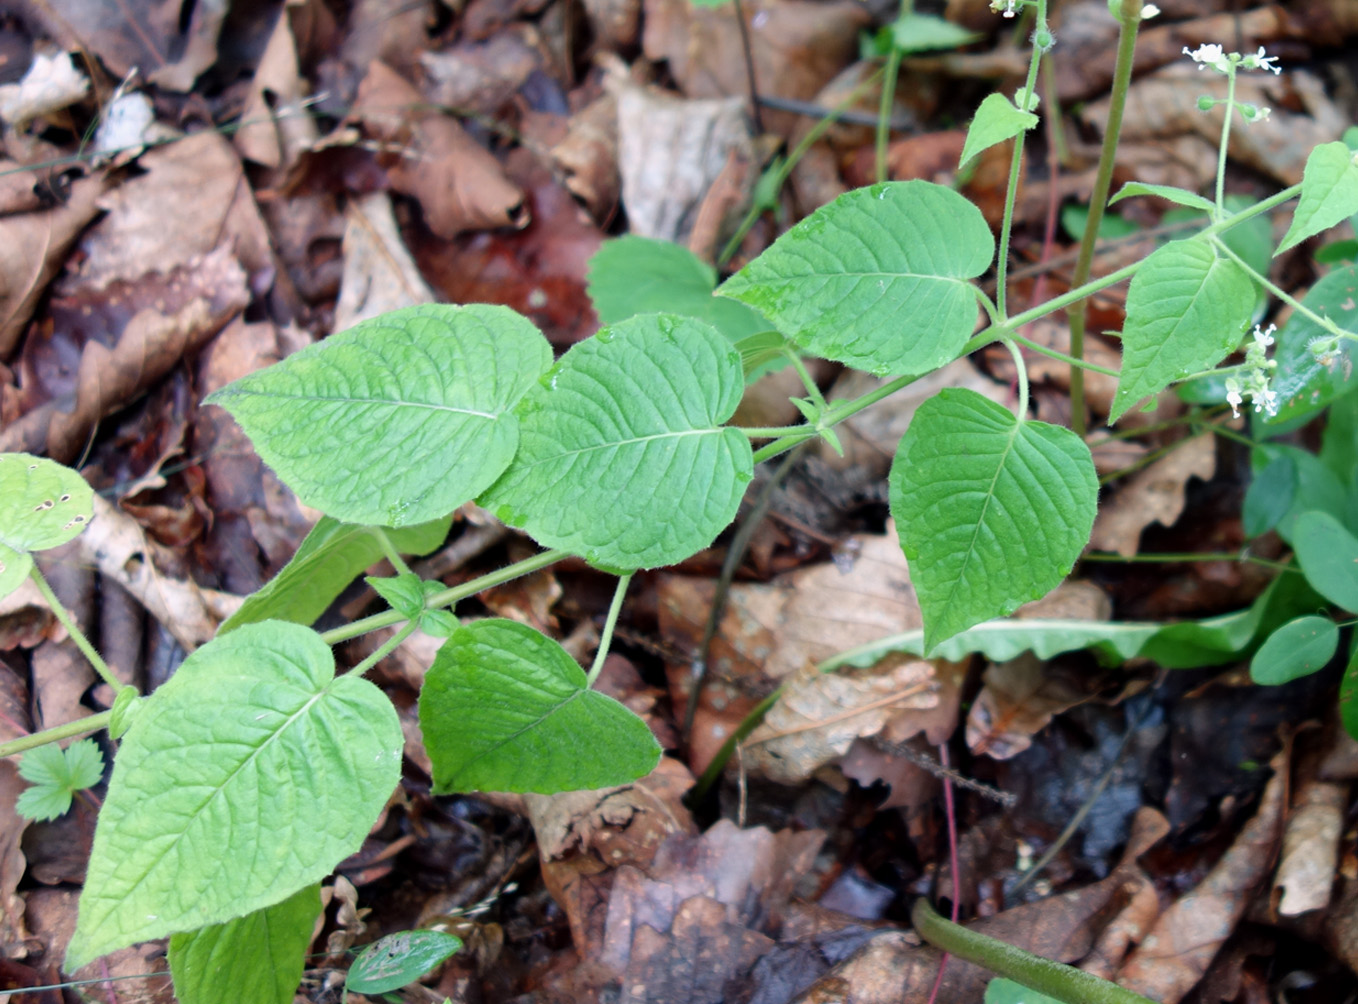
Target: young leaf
point(257, 958)
point(623, 458)
point(332, 556)
point(1329, 193)
point(997, 120)
point(247, 776)
point(1179, 196)
point(913, 32)
point(1328, 554)
point(1305, 384)
point(1298, 648)
point(1186, 310)
point(639, 275)
point(505, 708)
point(403, 593)
point(991, 512)
point(55, 775)
point(125, 707)
point(398, 959)
point(878, 279)
point(42, 505)
point(398, 420)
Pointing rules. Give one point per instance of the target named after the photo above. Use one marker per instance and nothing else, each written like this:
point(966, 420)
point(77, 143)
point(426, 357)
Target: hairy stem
point(384, 650)
point(73, 629)
point(1015, 169)
point(57, 733)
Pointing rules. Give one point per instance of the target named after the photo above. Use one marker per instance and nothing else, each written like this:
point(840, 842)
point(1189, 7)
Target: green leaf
point(250, 774)
point(332, 556)
point(1306, 387)
point(878, 279)
point(1317, 487)
point(624, 460)
point(997, 120)
point(925, 32)
point(403, 593)
point(398, 959)
point(56, 775)
point(42, 505)
point(639, 275)
point(126, 705)
point(1348, 697)
point(1186, 309)
point(1298, 648)
point(1002, 991)
point(1270, 496)
point(1329, 193)
point(255, 959)
point(1328, 554)
point(759, 350)
point(1074, 219)
point(398, 420)
point(505, 708)
point(1179, 196)
point(991, 512)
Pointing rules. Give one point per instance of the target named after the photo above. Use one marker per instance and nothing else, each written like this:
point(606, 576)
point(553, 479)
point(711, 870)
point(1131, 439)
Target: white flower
point(1007, 8)
point(1150, 10)
point(1209, 55)
point(1233, 397)
point(1261, 62)
point(1263, 337)
point(1266, 401)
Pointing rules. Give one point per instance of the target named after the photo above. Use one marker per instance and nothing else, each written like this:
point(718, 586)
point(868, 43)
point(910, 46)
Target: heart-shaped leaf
point(623, 458)
point(42, 505)
point(991, 512)
point(1186, 311)
point(250, 774)
point(997, 120)
point(504, 708)
point(398, 420)
point(878, 279)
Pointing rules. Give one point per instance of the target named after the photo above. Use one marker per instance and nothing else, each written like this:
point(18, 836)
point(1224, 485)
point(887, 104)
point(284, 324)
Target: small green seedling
point(55, 775)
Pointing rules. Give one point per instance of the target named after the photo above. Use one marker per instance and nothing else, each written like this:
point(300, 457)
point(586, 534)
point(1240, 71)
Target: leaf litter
point(385, 158)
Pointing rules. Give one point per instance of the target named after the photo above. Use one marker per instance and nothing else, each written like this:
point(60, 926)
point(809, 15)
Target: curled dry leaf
point(1155, 494)
point(1180, 947)
point(456, 181)
point(51, 84)
point(275, 128)
point(1310, 854)
point(379, 274)
point(588, 155)
point(819, 715)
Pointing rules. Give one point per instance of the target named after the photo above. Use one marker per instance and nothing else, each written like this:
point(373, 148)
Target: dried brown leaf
point(1154, 494)
point(1310, 854)
point(379, 274)
point(275, 127)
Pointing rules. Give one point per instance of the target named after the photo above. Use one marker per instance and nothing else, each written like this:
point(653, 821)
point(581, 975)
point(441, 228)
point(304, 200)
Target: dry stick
point(950, 814)
point(1128, 25)
point(749, 65)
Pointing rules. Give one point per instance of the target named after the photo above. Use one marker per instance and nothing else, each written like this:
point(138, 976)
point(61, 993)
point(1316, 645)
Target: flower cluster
point(1257, 368)
point(1006, 8)
point(1213, 55)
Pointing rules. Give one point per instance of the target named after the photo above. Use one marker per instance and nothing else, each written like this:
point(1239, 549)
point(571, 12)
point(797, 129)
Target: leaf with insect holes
point(997, 120)
point(1186, 311)
point(42, 505)
point(1298, 648)
point(55, 775)
point(257, 958)
point(623, 458)
point(1329, 193)
point(398, 420)
point(505, 708)
point(878, 279)
point(249, 775)
point(399, 959)
point(992, 512)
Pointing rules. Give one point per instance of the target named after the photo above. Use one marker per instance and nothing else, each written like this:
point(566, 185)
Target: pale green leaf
point(878, 279)
point(1002, 991)
point(1179, 196)
point(623, 459)
point(913, 32)
point(991, 512)
point(1298, 648)
point(1329, 193)
point(255, 959)
point(331, 556)
point(42, 505)
point(398, 420)
point(398, 959)
point(1328, 555)
point(126, 705)
point(1304, 385)
point(1186, 311)
point(504, 708)
point(250, 774)
point(639, 275)
point(403, 593)
point(997, 120)
point(55, 775)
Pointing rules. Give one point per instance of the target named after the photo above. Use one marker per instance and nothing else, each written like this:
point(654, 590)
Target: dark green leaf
point(1298, 648)
point(1348, 697)
point(1328, 554)
point(505, 708)
point(398, 959)
point(1306, 386)
point(1270, 496)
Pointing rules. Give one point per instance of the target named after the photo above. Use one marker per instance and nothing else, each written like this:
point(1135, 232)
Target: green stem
point(71, 729)
point(1015, 168)
point(802, 431)
point(1078, 364)
point(610, 622)
point(884, 109)
point(1281, 294)
point(812, 391)
point(1065, 983)
point(718, 763)
point(1225, 140)
point(73, 629)
point(1129, 24)
point(781, 445)
point(389, 550)
point(1021, 370)
point(447, 597)
point(385, 649)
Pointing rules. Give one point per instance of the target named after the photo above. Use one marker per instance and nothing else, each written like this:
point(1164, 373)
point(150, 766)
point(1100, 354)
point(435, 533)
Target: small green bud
point(1206, 104)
